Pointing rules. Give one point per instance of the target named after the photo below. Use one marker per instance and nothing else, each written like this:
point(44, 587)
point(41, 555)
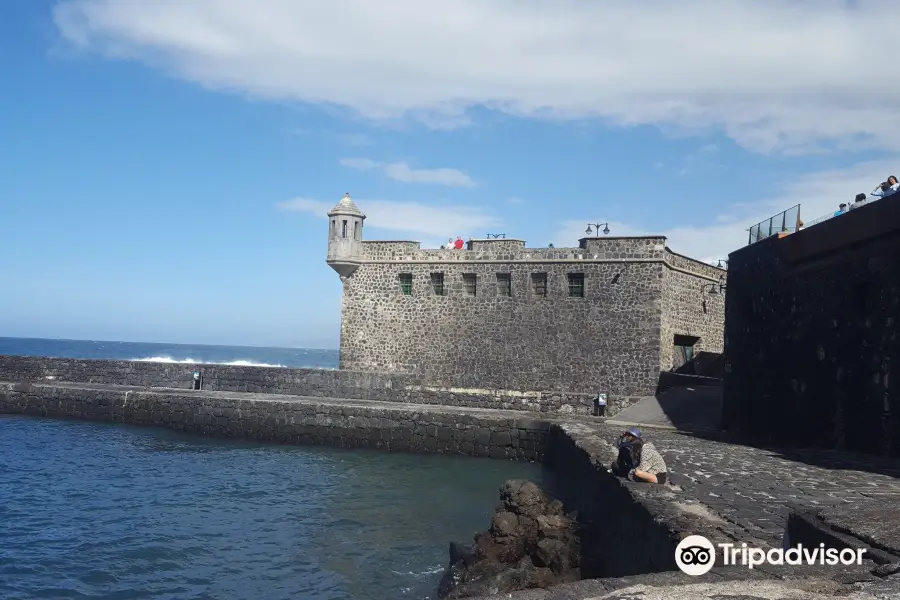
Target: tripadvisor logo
point(695, 555)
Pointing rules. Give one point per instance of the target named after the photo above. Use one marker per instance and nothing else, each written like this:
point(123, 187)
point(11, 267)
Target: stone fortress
point(607, 316)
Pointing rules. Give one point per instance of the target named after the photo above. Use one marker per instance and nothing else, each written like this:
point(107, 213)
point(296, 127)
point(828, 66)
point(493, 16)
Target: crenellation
point(387, 250)
point(623, 248)
point(496, 245)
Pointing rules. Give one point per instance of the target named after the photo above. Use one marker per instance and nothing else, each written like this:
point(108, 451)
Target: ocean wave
point(428, 571)
point(191, 361)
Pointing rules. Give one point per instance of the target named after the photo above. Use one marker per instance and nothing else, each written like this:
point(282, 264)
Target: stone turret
point(345, 224)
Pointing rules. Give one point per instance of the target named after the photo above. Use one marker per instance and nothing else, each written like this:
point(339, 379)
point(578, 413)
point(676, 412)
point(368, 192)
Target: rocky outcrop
point(531, 543)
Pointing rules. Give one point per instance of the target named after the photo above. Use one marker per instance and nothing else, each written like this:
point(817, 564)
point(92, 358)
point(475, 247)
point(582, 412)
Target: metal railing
point(787, 221)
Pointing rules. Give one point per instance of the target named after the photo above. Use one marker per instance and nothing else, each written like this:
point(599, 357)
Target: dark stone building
point(603, 317)
point(812, 353)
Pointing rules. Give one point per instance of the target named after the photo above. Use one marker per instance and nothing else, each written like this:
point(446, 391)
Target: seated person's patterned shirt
point(651, 461)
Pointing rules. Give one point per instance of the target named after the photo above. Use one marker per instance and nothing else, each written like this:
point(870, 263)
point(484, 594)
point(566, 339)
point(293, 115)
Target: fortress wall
point(623, 248)
point(607, 341)
point(328, 383)
point(690, 309)
point(614, 340)
point(377, 250)
point(496, 245)
point(812, 344)
point(697, 267)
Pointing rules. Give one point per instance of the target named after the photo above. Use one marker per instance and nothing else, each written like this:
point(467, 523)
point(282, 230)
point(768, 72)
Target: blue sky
point(167, 165)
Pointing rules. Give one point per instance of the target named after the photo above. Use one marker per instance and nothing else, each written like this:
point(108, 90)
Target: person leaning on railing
point(886, 188)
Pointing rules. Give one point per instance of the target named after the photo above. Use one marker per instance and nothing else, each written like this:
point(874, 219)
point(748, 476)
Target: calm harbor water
point(93, 510)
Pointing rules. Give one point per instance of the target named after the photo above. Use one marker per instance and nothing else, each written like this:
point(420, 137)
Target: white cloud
point(401, 171)
point(515, 200)
point(433, 225)
point(818, 194)
point(773, 75)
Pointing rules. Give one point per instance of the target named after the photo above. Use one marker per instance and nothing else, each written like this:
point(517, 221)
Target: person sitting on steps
point(638, 460)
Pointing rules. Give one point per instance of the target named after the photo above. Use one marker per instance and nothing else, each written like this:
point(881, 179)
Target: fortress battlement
point(505, 250)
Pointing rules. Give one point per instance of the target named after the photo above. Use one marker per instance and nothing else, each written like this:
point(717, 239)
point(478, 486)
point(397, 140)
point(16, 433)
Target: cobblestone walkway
point(753, 487)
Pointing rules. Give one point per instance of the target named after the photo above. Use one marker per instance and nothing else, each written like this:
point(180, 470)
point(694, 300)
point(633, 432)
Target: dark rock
point(531, 543)
point(886, 570)
point(504, 523)
point(554, 554)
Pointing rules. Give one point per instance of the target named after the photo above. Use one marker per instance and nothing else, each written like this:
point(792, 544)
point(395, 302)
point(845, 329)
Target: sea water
point(97, 510)
point(172, 353)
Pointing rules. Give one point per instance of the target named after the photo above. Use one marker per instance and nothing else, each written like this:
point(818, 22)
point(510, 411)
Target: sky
point(167, 165)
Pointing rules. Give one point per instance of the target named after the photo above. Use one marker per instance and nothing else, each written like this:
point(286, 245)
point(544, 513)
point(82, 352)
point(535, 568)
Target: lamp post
point(714, 289)
point(588, 231)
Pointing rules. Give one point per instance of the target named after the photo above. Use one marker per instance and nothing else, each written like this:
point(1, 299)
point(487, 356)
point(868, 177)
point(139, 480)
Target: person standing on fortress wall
point(638, 460)
point(887, 188)
point(458, 244)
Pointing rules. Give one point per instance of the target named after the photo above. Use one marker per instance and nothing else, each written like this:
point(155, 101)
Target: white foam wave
point(428, 571)
point(191, 361)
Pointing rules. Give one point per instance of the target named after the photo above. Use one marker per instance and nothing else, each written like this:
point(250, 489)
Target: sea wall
point(286, 419)
point(330, 383)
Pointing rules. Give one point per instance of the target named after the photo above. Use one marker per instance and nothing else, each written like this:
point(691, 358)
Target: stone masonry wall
point(636, 296)
point(378, 250)
point(283, 419)
point(689, 307)
point(330, 383)
point(607, 341)
point(496, 245)
point(626, 528)
point(812, 341)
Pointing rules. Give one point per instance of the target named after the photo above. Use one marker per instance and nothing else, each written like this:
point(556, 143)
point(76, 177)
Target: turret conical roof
point(346, 207)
